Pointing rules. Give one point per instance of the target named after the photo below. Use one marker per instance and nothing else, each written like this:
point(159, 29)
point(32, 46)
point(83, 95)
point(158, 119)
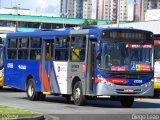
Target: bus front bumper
point(146, 90)
point(1, 81)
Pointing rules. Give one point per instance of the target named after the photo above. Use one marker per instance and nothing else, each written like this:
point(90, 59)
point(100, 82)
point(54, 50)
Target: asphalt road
point(56, 108)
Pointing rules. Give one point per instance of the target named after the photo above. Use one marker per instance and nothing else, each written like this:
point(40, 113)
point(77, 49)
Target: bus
point(81, 63)
point(1, 61)
point(156, 65)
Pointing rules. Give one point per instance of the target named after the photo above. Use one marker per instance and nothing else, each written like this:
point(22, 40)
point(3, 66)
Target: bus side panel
point(76, 70)
point(16, 74)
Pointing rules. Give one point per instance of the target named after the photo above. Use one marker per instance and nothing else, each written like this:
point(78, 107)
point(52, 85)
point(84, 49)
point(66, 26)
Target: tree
point(86, 22)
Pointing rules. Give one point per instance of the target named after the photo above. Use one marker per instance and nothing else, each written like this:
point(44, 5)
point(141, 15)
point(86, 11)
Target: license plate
point(129, 90)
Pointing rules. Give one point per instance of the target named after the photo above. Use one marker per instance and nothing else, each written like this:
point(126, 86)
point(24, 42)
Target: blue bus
point(81, 63)
point(1, 62)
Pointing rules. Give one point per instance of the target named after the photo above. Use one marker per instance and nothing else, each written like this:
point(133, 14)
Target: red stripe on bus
point(46, 80)
point(40, 71)
point(97, 80)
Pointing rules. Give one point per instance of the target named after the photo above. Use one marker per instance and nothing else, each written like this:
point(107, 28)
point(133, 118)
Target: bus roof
point(67, 31)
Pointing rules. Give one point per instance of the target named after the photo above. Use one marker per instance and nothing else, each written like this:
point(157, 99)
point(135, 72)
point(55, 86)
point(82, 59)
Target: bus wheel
point(1, 87)
point(127, 101)
point(31, 93)
point(78, 97)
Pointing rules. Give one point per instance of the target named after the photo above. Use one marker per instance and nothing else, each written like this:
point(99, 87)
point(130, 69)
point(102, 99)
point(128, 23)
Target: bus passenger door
point(91, 60)
point(46, 64)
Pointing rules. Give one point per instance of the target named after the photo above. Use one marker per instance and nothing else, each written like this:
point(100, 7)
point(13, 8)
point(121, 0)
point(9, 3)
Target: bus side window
point(12, 54)
point(78, 46)
point(23, 54)
point(12, 46)
point(35, 50)
point(62, 49)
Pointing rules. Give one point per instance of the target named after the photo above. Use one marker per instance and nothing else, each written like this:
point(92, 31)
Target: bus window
point(62, 49)
point(12, 43)
point(35, 42)
point(49, 49)
point(12, 54)
point(23, 43)
point(78, 45)
point(23, 54)
point(35, 50)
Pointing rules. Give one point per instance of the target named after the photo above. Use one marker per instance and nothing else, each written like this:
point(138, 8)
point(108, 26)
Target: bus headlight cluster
point(148, 84)
point(104, 81)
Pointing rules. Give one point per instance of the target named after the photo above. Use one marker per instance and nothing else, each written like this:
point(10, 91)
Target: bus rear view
point(125, 64)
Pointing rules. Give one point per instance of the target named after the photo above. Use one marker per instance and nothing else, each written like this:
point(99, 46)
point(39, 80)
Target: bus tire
point(127, 101)
point(31, 93)
point(78, 97)
point(1, 87)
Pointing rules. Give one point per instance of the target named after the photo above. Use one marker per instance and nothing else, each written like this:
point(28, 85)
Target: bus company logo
point(22, 67)
point(59, 68)
point(137, 81)
point(62, 69)
point(10, 65)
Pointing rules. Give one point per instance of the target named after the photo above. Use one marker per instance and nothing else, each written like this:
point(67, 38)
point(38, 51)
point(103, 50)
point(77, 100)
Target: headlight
point(148, 84)
point(104, 81)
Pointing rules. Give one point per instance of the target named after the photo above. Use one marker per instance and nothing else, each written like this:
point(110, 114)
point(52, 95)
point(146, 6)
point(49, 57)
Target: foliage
point(90, 22)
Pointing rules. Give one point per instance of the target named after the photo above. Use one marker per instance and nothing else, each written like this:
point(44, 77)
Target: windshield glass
point(122, 56)
point(1, 57)
point(157, 51)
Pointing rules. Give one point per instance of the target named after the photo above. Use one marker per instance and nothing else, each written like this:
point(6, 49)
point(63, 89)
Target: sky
point(50, 7)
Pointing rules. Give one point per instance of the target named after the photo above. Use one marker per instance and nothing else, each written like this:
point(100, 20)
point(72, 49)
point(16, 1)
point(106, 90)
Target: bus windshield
point(123, 56)
point(157, 51)
point(1, 56)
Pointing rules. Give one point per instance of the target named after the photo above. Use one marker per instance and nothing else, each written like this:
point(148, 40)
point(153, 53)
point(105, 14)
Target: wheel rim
point(77, 94)
point(30, 90)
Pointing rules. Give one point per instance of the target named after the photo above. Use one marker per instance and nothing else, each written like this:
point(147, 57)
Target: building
point(15, 10)
point(107, 10)
point(25, 23)
point(153, 14)
point(76, 9)
point(141, 6)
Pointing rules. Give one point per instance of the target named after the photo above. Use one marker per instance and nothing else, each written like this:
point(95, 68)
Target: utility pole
point(0, 4)
point(118, 13)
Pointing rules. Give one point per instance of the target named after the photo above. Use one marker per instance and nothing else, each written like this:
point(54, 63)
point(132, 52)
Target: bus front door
point(91, 60)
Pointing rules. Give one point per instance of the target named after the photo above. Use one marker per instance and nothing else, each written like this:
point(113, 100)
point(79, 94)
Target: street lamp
point(63, 15)
point(17, 7)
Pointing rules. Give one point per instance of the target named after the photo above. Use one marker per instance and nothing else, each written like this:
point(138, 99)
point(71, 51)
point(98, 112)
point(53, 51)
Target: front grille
point(129, 75)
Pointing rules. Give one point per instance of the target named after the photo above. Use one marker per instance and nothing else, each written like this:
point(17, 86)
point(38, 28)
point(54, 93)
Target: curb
point(38, 117)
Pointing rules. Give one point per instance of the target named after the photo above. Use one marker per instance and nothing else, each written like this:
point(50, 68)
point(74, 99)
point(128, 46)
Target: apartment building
point(108, 10)
point(141, 7)
point(76, 9)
